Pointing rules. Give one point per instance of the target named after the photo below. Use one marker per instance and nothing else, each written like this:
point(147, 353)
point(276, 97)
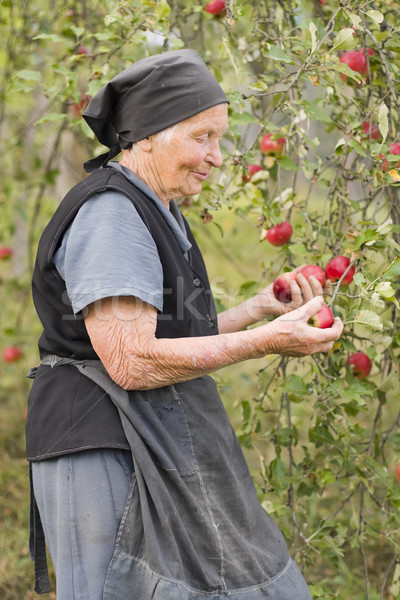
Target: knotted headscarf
point(147, 97)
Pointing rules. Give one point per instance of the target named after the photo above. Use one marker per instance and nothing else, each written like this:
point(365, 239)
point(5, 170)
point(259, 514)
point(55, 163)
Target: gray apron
point(192, 528)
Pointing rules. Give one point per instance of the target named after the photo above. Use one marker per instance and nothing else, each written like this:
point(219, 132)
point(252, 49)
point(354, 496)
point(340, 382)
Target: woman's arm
point(122, 332)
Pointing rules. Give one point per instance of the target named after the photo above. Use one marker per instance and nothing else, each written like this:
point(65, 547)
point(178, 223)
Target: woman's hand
point(290, 334)
point(302, 290)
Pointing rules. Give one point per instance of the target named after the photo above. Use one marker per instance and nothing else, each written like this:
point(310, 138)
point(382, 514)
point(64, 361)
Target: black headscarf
point(149, 96)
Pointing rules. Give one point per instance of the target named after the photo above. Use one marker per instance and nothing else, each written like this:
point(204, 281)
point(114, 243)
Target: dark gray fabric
point(193, 526)
point(149, 96)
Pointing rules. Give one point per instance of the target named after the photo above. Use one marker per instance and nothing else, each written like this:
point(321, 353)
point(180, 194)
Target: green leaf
point(243, 118)
point(366, 236)
point(357, 147)
point(52, 37)
point(344, 40)
point(285, 162)
point(276, 53)
point(29, 75)
point(385, 289)
point(383, 122)
point(356, 20)
point(376, 16)
point(313, 30)
point(78, 31)
point(315, 112)
point(393, 271)
point(294, 384)
point(163, 9)
point(367, 317)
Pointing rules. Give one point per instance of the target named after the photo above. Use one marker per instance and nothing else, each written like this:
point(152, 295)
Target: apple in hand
point(361, 364)
point(336, 267)
point(5, 252)
point(11, 353)
point(279, 235)
point(281, 287)
point(272, 146)
point(251, 170)
point(322, 319)
point(315, 271)
point(216, 7)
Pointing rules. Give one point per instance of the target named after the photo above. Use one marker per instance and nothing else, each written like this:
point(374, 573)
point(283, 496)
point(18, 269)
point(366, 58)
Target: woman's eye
point(202, 138)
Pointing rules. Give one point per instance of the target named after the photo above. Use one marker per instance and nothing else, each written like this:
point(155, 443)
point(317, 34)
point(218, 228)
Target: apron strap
point(37, 546)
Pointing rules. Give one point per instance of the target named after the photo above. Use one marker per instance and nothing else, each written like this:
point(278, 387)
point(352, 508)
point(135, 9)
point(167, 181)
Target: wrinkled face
point(180, 166)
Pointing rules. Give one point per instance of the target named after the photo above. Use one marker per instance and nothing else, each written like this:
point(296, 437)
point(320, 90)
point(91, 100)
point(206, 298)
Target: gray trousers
point(81, 498)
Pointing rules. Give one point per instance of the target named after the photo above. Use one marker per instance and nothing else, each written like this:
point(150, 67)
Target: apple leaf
point(344, 40)
point(315, 112)
point(376, 16)
point(366, 236)
point(356, 20)
point(396, 581)
point(313, 30)
point(383, 121)
point(385, 289)
point(285, 162)
point(243, 118)
point(276, 53)
point(294, 385)
point(357, 147)
point(29, 75)
point(393, 271)
point(370, 318)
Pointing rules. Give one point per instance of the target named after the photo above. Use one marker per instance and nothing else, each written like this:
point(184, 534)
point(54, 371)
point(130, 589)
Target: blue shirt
point(108, 251)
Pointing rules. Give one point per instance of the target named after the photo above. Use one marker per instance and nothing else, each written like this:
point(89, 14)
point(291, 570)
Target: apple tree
point(314, 144)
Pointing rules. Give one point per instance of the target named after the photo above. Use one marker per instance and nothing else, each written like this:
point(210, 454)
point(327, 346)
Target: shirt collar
point(172, 217)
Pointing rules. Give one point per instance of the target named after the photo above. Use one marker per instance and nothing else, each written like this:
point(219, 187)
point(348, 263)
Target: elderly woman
point(138, 482)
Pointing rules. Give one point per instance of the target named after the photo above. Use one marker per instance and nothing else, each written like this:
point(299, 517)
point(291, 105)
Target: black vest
point(67, 412)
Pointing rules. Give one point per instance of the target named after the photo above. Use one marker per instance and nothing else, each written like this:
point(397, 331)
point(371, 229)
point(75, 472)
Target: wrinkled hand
point(290, 334)
point(302, 290)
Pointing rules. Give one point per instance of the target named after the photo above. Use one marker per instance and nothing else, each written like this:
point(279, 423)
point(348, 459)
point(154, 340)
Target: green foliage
point(322, 444)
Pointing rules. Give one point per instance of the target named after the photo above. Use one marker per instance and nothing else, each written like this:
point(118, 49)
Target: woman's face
point(179, 167)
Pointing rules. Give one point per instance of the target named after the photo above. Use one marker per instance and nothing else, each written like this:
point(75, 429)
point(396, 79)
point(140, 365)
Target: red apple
point(81, 50)
point(280, 234)
point(361, 364)
point(281, 287)
point(322, 319)
point(11, 353)
point(336, 267)
point(356, 61)
point(315, 271)
point(371, 130)
point(370, 52)
point(216, 7)
point(5, 252)
point(271, 145)
point(251, 170)
point(394, 149)
point(397, 472)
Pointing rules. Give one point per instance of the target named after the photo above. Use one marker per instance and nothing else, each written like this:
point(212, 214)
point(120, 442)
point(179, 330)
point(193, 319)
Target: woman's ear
point(145, 145)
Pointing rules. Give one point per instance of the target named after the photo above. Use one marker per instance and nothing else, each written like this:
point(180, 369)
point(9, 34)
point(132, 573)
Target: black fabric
point(149, 96)
point(68, 414)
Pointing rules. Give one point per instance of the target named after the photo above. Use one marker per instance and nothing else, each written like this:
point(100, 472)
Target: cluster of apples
point(334, 271)
point(271, 145)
